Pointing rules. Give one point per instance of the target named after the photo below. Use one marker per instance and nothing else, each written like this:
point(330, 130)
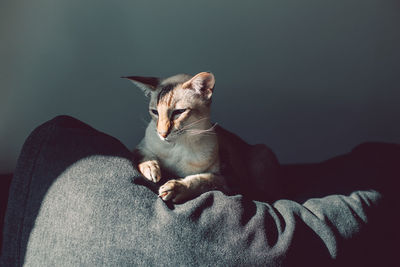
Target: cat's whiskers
point(192, 123)
point(209, 131)
point(189, 126)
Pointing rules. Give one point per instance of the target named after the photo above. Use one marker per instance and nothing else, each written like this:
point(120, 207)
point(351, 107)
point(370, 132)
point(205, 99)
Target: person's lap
point(77, 199)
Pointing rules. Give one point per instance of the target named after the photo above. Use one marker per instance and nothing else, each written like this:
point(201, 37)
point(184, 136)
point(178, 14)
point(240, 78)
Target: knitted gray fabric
point(76, 200)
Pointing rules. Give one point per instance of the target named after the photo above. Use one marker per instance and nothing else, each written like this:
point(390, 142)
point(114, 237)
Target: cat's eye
point(178, 112)
point(154, 111)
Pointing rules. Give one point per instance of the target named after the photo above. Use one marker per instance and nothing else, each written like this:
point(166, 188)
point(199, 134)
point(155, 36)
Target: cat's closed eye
point(177, 112)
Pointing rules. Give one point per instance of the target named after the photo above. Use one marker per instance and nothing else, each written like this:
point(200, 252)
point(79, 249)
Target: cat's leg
point(191, 186)
point(147, 164)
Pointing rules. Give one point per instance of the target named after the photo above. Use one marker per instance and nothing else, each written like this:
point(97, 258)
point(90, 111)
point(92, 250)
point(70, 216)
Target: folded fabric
point(77, 200)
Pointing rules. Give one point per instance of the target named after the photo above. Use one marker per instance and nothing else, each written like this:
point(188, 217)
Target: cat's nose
point(163, 127)
point(163, 134)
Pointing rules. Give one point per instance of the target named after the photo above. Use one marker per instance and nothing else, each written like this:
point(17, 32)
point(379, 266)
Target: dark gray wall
point(309, 78)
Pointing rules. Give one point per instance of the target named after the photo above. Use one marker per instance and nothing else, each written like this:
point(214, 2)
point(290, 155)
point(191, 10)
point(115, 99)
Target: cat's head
point(179, 104)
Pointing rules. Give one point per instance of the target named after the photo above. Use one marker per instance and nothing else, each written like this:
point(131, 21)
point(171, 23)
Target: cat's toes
point(150, 170)
point(174, 190)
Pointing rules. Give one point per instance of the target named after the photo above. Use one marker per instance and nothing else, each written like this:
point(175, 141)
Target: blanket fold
point(77, 200)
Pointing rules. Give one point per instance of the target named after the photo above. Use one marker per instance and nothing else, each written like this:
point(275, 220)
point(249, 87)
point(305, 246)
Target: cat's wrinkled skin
point(181, 140)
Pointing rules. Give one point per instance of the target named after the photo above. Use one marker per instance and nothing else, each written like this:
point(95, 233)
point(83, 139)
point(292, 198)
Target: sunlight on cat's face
point(179, 105)
point(177, 111)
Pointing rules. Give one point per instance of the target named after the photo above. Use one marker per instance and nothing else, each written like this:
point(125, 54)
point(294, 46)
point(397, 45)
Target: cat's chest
point(183, 160)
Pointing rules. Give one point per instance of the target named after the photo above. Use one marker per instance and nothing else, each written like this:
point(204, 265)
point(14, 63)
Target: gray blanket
point(76, 200)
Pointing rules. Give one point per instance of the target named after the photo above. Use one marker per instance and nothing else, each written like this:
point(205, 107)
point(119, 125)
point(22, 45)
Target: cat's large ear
point(203, 83)
point(147, 84)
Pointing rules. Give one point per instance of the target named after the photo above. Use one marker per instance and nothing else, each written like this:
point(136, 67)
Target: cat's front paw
point(174, 190)
point(150, 170)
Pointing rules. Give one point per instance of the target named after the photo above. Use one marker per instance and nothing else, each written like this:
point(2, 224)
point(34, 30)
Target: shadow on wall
point(308, 78)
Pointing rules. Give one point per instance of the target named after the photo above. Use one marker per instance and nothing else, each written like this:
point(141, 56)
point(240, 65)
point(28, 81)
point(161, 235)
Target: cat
point(181, 141)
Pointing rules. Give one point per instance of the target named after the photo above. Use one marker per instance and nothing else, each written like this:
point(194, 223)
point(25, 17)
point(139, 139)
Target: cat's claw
point(165, 195)
point(150, 170)
point(174, 190)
